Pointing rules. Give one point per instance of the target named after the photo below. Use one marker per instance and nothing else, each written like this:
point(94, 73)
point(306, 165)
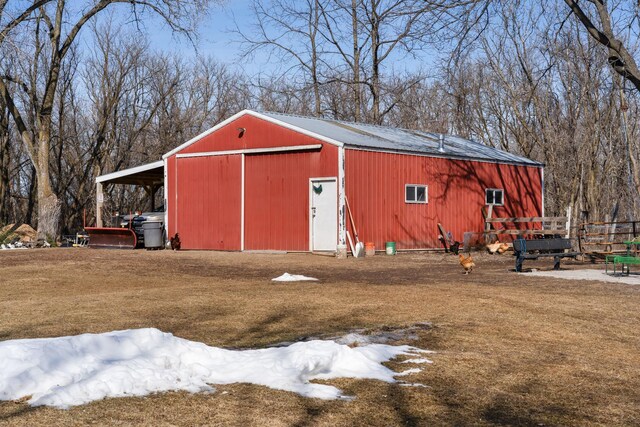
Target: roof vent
point(441, 143)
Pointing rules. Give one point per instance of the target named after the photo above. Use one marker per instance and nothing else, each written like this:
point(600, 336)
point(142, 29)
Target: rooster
point(467, 263)
point(175, 242)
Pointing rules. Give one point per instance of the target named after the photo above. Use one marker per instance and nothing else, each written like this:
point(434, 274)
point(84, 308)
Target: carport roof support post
point(99, 202)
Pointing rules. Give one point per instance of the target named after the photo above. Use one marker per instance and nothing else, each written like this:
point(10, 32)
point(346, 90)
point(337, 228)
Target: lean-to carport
point(149, 176)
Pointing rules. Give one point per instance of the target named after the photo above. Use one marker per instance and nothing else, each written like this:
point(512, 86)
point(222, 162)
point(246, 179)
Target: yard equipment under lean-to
point(111, 238)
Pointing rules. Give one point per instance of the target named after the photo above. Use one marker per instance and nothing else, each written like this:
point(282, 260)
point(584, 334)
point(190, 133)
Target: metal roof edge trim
point(205, 133)
point(257, 115)
point(415, 153)
point(296, 128)
point(250, 151)
point(129, 171)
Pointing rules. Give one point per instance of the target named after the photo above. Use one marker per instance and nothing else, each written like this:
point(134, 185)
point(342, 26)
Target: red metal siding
point(208, 202)
point(170, 203)
point(276, 188)
point(204, 193)
point(375, 186)
point(277, 197)
point(258, 133)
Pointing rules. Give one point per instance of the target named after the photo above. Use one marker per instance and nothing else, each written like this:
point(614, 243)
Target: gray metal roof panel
point(359, 135)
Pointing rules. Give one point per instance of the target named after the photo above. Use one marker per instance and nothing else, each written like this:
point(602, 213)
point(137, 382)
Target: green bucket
point(390, 248)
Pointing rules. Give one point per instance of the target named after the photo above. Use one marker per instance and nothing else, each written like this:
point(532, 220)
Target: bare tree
point(596, 17)
point(55, 27)
point(288, 30)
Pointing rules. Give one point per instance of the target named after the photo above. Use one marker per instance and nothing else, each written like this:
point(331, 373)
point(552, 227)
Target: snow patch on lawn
point(12, 246)
point(587, 274)
point(417, 361)
point(74, 370)
point(286, 277)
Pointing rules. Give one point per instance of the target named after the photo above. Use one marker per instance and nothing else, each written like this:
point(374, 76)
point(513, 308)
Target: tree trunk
point(356, 62)
point(31, 198)
point(5, 164)
point(314, 59)
point(48, 204)
point(631, 156)
point(375, 63)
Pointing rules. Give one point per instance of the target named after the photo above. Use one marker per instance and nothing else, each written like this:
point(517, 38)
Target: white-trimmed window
point(494, 196)
point(416, 193)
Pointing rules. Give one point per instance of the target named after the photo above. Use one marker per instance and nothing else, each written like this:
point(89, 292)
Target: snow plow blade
point(111, 238)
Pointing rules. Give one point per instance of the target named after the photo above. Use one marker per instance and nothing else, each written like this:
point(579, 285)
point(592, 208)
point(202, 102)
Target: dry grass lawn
point(511, 349)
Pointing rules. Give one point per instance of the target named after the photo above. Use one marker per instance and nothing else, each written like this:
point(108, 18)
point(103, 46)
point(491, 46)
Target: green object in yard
point(622, 262)
point(391, 248)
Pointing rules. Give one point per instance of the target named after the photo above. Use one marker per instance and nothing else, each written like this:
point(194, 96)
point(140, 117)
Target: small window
point(494, 196)
point(415, 193)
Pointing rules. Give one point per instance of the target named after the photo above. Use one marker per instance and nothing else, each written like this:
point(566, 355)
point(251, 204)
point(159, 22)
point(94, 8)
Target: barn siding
point(258, 133)
point(277, 197)
point(277, 192)
point(375, 184)
point(170, 203)
point(208, 202)
point(276, 188)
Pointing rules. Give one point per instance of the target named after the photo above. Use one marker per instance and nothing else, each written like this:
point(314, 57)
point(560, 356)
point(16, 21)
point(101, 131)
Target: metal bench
point(536, 248)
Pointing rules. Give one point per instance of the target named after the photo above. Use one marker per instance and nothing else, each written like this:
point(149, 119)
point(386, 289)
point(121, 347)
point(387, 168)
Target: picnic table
point(624, 261)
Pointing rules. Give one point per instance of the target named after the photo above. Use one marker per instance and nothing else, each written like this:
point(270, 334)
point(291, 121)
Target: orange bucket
point(369, 249)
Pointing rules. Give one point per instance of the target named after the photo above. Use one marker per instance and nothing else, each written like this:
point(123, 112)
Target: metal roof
point(381, 138)
point(148, 174)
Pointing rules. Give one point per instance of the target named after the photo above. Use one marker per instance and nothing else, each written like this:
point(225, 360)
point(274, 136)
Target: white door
point(324, 214)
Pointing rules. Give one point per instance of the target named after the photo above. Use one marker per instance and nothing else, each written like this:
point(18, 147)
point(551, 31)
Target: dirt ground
point(510, 349)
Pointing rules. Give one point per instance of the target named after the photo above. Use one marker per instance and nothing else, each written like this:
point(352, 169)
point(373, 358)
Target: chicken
point(497, 247)
point(467, 263)
point(175, 242)
point(494, 247)
point(503, 248)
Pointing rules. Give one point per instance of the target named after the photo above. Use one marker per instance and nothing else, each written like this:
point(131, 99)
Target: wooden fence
point(602, 238)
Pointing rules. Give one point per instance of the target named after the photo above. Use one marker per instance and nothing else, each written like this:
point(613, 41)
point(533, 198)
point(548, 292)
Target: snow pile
point(588, 274)
point(286, 277)
point(74, 370)
point(10, 246)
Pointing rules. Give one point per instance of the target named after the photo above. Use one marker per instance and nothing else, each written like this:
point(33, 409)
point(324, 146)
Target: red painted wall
point(375, 185)
point(258, 134)
point(204, 193)
point(170, 204)
point(276, 188)
point(277, 197)
point(208, 202)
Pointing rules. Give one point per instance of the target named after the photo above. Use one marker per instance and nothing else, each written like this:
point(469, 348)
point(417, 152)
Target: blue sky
point(216, 40)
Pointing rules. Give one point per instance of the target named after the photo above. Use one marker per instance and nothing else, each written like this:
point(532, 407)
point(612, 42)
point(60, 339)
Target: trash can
point(153, 234)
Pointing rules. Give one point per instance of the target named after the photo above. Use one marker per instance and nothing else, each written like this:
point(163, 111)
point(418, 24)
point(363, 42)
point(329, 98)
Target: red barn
point(269, 181)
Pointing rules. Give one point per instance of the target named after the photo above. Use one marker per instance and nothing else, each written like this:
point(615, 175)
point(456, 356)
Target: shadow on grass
point(11, 410)
point(398, 399)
